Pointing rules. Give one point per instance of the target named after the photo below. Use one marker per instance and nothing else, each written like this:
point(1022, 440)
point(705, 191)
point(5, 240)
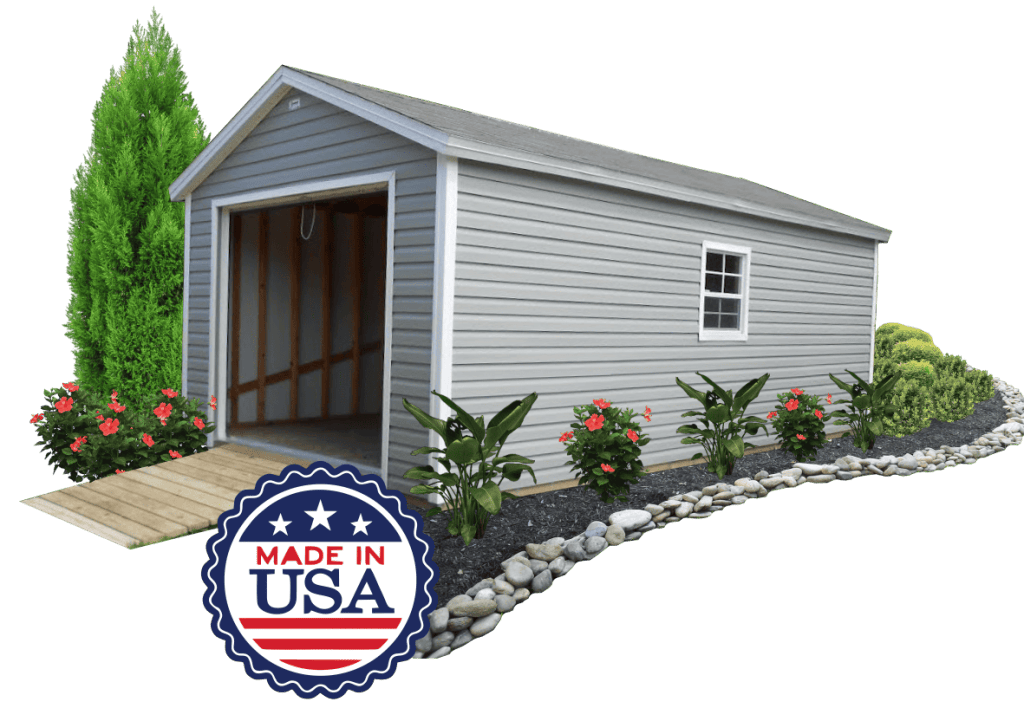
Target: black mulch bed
point(567, 512)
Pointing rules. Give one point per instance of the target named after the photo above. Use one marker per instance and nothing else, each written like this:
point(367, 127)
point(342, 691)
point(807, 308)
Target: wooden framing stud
point(355, 271)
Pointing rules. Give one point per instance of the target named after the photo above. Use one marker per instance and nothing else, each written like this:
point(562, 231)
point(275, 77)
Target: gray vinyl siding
point(580, 291)
point(315, 142)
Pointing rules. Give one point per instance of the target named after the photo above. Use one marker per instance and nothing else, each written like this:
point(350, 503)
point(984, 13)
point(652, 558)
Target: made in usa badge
point(319, 580)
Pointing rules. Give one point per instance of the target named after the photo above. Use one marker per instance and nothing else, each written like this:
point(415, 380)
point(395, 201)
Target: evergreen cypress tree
point(126, 251)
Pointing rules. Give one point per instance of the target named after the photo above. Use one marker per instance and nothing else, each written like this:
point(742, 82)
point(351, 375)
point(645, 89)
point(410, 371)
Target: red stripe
point(319, 623)
point(319, 664)
point(303, 644)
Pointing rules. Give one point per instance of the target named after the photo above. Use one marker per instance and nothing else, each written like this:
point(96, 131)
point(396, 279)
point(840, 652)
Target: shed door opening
point(306, 328)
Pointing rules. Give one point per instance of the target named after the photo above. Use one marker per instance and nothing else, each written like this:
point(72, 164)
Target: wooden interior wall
point(354, 210)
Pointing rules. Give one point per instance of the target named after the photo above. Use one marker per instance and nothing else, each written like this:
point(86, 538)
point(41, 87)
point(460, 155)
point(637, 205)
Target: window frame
point(704, 335)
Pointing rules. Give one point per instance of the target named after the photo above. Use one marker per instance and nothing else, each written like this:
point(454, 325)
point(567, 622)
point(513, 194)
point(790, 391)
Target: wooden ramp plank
point(100, 515)
point(171, 476)
point(204, 474)
point(87, 493)
point(120, 489)
point(246, 474)
point(82, 522)
point(251, 469)
point(208, 514)
point(179, 490)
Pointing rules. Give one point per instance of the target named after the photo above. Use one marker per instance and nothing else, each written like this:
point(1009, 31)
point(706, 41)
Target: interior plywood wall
point(281, 228)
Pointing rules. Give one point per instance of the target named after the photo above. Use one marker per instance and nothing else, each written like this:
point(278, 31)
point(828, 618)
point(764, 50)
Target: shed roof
point(460, 133)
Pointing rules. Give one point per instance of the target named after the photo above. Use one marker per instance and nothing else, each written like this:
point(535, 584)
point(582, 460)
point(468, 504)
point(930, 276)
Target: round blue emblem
point(319, 580)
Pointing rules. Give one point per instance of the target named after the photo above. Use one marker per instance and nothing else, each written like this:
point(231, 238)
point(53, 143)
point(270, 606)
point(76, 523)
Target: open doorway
point(306, 329)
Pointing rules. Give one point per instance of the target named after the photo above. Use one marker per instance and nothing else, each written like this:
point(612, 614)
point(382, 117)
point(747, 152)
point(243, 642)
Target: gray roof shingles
point(501, 133)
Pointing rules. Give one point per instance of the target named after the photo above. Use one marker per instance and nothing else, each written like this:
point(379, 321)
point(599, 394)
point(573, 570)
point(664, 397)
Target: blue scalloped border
point(223, 623)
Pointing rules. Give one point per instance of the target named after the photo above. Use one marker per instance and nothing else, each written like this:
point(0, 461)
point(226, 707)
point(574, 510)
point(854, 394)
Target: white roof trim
point(285, 79)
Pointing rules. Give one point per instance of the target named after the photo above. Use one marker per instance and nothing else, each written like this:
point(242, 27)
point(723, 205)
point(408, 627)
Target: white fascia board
point(417, 132)
point(471, 150)
point(264, 101)
point(445, 222)
point(230, 136)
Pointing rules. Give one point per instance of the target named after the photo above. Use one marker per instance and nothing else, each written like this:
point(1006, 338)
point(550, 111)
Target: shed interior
point(306, 328)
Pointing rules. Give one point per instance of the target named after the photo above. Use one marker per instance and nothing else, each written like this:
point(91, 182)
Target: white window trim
point(705, 335)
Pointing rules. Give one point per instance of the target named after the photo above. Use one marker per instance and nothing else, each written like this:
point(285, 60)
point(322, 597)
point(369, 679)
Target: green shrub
point(913, 409)
point(887, 336)
point(915, 350)
point(951, 364)
point(980, 383)
point(951, 398)
point(920, 371)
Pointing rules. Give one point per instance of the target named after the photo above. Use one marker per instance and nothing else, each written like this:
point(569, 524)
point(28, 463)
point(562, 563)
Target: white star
point(320, 517)
point(279, 525)
point(361, 526)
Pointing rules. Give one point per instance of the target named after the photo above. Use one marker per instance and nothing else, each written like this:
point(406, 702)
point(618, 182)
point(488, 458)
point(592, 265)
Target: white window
point(724, 292)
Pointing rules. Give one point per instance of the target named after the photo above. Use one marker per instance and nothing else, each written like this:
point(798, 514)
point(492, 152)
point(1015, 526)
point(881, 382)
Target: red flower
point(792, 404)
point(607, 468)
point(800, 437)
point(109, 427)
point(64, 404)
point(78, 443)
point(71, 387)
point(119, 471)
point(199, 423)
point(147, 439)
point(163, 411)
point(213, 403)
point(565, 436)
point(99, 417)
point(116, 407)
point(113, 397)
point(169, 392)
point(36, 418)
point(772, 415)
point(797, 391)
point(601, 403)
point(174, 453)
point(819, 414)
point(631, 434)
point(647, 413)
point(830, 398)
point(163, 422)
point(594, 422)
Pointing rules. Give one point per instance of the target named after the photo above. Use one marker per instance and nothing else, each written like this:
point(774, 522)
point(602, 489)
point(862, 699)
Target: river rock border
point(533, 570)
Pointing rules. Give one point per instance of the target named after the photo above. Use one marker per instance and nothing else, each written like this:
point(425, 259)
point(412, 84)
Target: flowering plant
point(866, 397)
point(723, 444)
point(471, 504)
point(606, 449)
point(800, 423)
point(93, 446)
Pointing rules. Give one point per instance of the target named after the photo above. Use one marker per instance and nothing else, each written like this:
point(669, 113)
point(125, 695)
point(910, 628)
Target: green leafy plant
point(471, 498)
point(951, 398)
point(868, 404)
point(605, 448)
point(800, 424)
point(723, 444)
point(981, 384)
point(80, 439)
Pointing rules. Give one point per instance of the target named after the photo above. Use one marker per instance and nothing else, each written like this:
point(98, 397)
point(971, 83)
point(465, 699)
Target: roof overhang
point(285, 80)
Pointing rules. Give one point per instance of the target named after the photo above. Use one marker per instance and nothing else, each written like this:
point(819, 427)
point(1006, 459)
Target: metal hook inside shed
point(305, 237)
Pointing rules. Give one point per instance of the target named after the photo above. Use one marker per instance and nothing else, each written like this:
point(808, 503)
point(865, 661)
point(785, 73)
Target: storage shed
point(348, 247)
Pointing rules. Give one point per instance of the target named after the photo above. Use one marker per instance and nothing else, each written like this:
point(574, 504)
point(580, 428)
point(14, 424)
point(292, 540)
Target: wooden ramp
point(166, 500)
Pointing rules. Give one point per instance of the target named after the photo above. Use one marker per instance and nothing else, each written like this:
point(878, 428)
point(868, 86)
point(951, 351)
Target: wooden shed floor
point(355, 438)
point(167, 500)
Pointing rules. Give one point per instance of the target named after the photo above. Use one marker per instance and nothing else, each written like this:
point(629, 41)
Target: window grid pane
point(723, 275)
